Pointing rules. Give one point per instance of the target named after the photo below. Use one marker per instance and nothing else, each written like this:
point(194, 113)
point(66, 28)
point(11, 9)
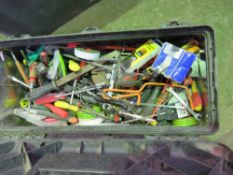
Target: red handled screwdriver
point(60, 112)
point(49, 98)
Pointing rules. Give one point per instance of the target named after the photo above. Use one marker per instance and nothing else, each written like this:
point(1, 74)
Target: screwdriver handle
point(60, 112)
point(38, 92)
point(65, 105)
point(49, 98)
point(20, 68)
point(21, 71)
point(32, 74)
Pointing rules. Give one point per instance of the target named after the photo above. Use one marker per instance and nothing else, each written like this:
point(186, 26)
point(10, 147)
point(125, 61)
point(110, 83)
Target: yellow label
point(144, 52)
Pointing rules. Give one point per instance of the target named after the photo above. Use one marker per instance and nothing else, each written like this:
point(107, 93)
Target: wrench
point(197, 116)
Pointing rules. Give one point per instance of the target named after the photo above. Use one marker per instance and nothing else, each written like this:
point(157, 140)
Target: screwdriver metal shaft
point(18, 81)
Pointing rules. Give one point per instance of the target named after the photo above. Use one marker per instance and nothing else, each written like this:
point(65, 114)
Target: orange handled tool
point(32, 74)
point(204, 93)
point(197, 101)
point(162, 99)
point(71, 120)
point(137, 93)
point(20, 68)
point(192, 46)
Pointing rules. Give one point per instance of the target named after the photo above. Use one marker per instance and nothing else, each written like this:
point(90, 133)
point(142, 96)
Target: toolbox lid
point(113, 156)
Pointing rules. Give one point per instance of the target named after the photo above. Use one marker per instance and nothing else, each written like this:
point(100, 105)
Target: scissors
point(137, 93)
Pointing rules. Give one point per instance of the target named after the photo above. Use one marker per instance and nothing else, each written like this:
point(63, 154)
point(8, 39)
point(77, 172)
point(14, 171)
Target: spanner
point(197, 116)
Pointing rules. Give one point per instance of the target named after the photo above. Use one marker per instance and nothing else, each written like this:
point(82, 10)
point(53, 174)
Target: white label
point(181, 112)
point(173, 51)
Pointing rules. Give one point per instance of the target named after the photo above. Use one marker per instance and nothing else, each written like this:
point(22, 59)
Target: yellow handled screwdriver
point(20, 68)
point(65, 105)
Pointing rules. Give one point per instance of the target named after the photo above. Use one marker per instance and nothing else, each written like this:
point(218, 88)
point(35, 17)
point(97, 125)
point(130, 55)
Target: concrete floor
point(113, 15)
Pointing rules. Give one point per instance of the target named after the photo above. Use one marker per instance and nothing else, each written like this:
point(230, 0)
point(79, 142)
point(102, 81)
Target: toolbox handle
point(91, 30)
point(175, 23)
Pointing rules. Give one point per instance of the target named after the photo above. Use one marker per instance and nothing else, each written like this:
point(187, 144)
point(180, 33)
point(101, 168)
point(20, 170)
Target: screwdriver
point(196, 97)
point(20, 68)
point(32, 74)
point(65, 105)
point(18, 81)
point(72, 120)
point(60, 112)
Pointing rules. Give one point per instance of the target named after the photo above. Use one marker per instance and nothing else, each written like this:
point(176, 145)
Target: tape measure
point(189, 121)
point(143, 54)
point(87, 54)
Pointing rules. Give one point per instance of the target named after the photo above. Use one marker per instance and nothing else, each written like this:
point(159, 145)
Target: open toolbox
point(128, 102)
point(137, 81)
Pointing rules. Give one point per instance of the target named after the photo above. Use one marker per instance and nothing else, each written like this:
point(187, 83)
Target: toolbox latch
point(91, 30)
point(175, 23)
